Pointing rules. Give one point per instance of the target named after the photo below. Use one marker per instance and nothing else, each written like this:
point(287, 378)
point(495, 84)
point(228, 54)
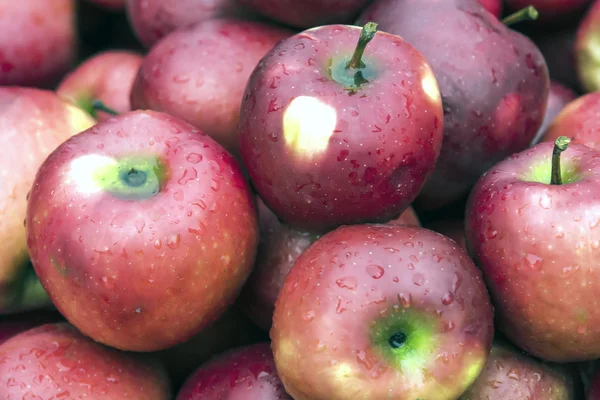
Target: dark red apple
point(493, 6)
point(373, 312)
point(512, 375)
point(494, 84)
point(107, 77)
point(246, 373)
point(231, 329)
point(279, 248)
point(308, 13)
point(55, 361)
point(12, 325)
point(531, 226)
point(558, 98)
point(579, 121)
point(199, 74)
point(38, 41)
point(586, 49)
point(33, 123)
point(334, 136)
point(154, 19)
point(551, 12)
point(142, 229)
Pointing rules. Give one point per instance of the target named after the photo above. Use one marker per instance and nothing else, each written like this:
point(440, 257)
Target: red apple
point(579, 121)
point(330, 137)
point(33, 123)
point(373, 312)
point(246, 373)
point(108, 77)
point(154, 19)
point(551, 12)
point(308, 13)
point(494, 84)
point(116, 5)
point(142, 229)
point(586, 49)
point(493, 6)
point(55, 361)
point(38, 41)
point(531, 226)
point(279, 248)
point(232, 329)
point(199, 74)
point(558, 98)
point(511, 375)
point(14, 324)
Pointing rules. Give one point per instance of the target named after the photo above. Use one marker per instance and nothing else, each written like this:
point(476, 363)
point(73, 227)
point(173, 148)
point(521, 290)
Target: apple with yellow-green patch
point(376, 311)
point(340, 125)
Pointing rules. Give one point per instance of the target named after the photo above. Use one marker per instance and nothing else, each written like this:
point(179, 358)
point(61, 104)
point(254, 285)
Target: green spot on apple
point(352, 72)
point(136, 177)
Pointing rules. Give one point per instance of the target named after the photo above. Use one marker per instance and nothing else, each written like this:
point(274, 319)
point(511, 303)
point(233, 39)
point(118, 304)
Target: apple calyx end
point(529, 13)
point(560, 144)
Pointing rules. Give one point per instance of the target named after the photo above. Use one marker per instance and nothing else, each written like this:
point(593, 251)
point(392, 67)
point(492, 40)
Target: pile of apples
point(308, 200)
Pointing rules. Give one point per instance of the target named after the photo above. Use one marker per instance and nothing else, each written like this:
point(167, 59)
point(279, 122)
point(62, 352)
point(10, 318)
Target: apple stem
point(366, 35)
point(97, 105)
point(560, 145)
point(529, 13)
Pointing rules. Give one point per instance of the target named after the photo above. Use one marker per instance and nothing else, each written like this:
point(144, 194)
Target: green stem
point(528, 13)
point(366, 35)
point(97, 105)
point(560, 145)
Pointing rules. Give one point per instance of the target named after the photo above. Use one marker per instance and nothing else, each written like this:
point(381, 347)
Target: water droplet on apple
point(309, 316)
point(448, 299)
point(108, 282)
point(113, 378)
point(514, 374)
point(375, 271)
point(348, 282)
point(194, 158)
point(215, 185)
point(418, 279)
point(178, 195)
point(174, 241)
point(405, 300)
point(157, 244)
point(139, 225)
point(534, 262)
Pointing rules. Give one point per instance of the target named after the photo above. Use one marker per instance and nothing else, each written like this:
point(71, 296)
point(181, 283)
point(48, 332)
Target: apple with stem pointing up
point(333, 132)
point(142, 229)
point(533, 226)
point(374, 312)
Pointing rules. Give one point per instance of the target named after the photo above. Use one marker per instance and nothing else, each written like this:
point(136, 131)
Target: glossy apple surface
point(558, 99)
point(33, 123)
point(537, 244)
point(373, 312)
point(512, 375)
point(107, 76)
point(142, 229)
point(246, 373)
point(308, 13)
point(38, 41)
point(12, 325)
point(579, 121)
point(493, 80)
point(325, 148)
point(56, 361)
point(199, 74)
point(154, 19)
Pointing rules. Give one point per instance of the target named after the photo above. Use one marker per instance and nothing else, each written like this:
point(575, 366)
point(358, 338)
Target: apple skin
point(586, 48)
point(512, 375)
point(537, 245)
point(558, 98)
point(107, 76)
point(122, 262)
point(38, 42)
point(452, 228)
point(246, 373)
point(154, 19)
point(494, 100)
point(57, 361)
point(308, 13)
point(14, 324)
point(38, 121)
point(279, 248)
point(550, 12)
point(231, 329)
point(579, 121)
point(493, 6)
point(356, 286)
point(199, 74)
point(320, 156)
